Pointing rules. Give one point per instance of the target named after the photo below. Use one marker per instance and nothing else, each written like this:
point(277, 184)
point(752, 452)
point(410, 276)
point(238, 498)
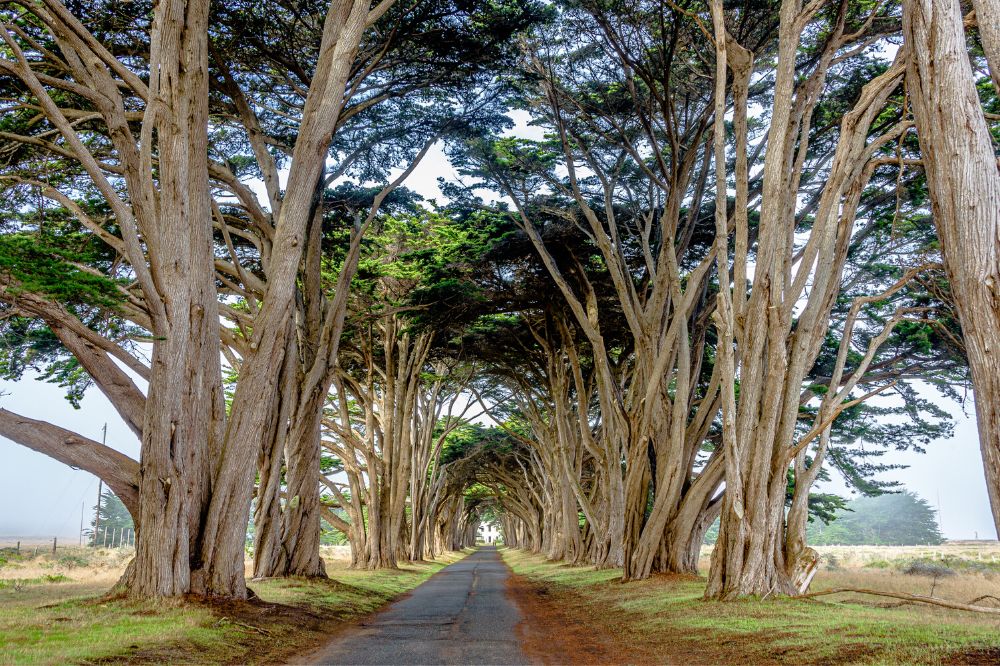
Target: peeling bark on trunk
point(184, 407)
point(166, 236)
point(964, 184)
point(302, 528)
point(270, 557)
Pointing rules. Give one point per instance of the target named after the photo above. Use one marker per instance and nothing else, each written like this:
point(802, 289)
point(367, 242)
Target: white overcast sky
point(40, 497)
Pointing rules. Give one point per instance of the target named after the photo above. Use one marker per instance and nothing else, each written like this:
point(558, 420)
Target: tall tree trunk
point(964, 185)
point(743, 561)
point(302, 522)
point(636, 502)
point(257, 392)
point(182, 428)
point(269, 515)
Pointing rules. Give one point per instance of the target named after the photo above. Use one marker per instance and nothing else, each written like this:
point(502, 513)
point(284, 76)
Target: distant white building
point(489, 533)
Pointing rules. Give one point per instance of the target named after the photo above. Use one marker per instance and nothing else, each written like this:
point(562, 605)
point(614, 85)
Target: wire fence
point(35, 545)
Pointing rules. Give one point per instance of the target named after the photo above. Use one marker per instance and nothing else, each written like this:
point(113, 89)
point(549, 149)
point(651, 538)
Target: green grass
point(65, 621)
point(668, 616)
point(18, 583)
point(68, 624)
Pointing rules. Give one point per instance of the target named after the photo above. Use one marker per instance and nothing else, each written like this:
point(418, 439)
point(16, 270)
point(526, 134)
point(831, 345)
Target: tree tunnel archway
point(491, 475)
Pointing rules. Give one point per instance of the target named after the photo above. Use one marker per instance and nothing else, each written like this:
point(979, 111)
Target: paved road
point(461, 615)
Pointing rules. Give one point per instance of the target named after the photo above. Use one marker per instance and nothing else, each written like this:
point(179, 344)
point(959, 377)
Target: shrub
point(70, 561)
point(927, 568)
point(19, 584)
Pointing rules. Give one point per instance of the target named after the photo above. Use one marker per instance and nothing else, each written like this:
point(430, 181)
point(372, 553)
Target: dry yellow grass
point(963, 587)
point(849, 556)
point(979, 551)
point(88, 567)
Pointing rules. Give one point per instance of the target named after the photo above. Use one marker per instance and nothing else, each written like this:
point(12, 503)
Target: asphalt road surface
point(461, 615)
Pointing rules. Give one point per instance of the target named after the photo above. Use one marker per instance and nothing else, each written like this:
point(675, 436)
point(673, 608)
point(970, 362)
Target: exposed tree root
point(934, 601)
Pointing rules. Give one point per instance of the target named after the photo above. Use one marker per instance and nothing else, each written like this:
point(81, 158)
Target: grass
point(664, 619)
point(60, 616)
point(52, 611)
point(69, 624)
point(19, 583)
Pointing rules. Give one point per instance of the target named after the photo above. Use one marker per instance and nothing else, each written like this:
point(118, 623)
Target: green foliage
point(421, 264)
point(114, 520)
point(466, 438)
point(53, 266)
point(896, 519)
point(28, 344)
point(47, 257)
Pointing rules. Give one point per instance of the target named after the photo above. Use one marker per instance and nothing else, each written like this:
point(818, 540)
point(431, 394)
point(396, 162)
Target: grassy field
point(665, 620)
point(53, 610)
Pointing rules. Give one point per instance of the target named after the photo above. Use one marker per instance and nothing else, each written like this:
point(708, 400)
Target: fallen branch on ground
point(934, 601)
point(984, 597)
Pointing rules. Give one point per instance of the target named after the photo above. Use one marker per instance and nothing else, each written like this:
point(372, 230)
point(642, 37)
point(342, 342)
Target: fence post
point(18, 547)
point(53, 545)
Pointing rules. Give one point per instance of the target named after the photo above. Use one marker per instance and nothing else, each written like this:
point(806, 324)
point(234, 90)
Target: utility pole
point(82, 508)
point(100, 483)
